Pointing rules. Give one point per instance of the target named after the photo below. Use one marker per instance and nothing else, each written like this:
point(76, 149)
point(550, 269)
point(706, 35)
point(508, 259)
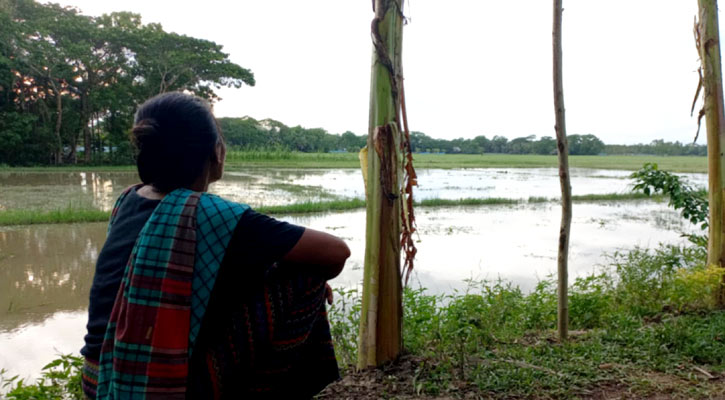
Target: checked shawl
point(164, 295)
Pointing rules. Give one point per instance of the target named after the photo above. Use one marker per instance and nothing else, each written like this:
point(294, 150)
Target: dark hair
point(175, 134)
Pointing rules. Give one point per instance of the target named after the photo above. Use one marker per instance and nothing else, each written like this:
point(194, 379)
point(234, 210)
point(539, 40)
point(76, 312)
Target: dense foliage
point(70, 83)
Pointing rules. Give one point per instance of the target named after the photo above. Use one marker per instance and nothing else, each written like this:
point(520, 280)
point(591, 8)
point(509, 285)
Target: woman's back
point(251, 325)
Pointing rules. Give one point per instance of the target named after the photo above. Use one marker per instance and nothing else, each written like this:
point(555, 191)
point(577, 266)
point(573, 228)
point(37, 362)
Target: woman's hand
point(328, 293)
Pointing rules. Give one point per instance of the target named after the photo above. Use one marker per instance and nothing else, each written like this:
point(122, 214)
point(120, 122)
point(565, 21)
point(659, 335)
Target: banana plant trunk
point(563, 151)
point(708, 41)
point(381, 314)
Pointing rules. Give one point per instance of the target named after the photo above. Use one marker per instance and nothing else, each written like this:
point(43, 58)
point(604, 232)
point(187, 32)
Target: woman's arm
point(325, 254)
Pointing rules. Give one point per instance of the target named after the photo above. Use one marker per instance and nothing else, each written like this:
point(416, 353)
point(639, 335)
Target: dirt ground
point(396, 381)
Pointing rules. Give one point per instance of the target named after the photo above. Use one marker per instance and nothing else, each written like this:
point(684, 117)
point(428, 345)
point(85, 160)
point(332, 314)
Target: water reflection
point(45, 269)
point(514, 243)
point(25, 351)
point(58, 190)
point(269, 187)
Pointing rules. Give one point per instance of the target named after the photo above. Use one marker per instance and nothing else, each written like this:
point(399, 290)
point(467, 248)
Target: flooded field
point(46, 270)
point(270, 187)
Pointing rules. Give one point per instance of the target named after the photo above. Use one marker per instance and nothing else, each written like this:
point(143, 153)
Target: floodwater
point(270, 187)
point(46, 270)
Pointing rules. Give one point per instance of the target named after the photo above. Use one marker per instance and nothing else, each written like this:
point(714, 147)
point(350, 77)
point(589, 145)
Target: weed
point(60, 379)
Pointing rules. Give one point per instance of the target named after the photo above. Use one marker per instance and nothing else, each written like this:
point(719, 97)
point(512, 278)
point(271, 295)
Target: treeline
point(658, 147)
point(248, 133)
point(70, 83)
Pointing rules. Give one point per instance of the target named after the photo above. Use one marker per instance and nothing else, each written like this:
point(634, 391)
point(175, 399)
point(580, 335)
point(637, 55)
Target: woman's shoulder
point(220, 204)
point(215, 213)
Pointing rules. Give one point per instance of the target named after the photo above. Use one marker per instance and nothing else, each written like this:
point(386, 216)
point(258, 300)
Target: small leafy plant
point(60, 379)
point(693, 203)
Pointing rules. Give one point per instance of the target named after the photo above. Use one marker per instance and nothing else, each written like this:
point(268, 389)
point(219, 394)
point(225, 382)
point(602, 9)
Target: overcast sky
point(472, 67)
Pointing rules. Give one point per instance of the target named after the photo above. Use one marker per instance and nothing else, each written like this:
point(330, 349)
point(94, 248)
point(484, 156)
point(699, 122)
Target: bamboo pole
point(381, 313)
point(563, 150)
point(708, 43)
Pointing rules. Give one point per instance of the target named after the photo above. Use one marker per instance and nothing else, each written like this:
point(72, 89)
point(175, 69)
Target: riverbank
point(81, 215)
point(644, 327)
point(238, 160)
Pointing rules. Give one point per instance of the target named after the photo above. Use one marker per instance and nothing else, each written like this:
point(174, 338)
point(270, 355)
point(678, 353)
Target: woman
point(195, 296)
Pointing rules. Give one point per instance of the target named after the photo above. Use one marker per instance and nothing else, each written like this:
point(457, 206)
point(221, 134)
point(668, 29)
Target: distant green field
point(446, 161)
point(245, 159)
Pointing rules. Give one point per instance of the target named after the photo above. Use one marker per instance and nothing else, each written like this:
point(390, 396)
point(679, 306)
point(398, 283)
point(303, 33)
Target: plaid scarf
point(271, 341)
point(164, 295)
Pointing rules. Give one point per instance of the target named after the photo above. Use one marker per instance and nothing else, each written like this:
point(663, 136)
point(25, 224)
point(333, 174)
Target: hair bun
point(145, 132)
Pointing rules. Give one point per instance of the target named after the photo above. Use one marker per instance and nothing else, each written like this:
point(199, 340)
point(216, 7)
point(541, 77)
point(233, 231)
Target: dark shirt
point(258, 242)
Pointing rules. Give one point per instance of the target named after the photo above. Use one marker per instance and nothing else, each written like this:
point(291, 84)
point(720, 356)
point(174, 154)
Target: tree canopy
point(70, 81)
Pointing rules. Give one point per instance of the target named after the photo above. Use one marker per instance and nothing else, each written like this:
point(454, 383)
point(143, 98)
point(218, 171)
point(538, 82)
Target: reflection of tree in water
point(46, 269)
point(53, 190)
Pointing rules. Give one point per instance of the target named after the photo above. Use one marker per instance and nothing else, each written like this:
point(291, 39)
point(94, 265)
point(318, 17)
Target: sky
point(472, 67)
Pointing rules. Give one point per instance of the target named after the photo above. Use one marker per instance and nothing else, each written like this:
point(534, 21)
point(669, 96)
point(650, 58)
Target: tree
point(65, 76)
point(708, 44)
point(499, 144)
point(545, 145)
point(521, 145)
point(381, 313)
point(585, 145)
point(169, 61)
point(565, 229)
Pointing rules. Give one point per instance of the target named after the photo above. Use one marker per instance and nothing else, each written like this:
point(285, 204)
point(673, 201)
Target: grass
point(60, 216)
point(630, 163)
point(646, 326)
point(447, 161)
point(465, 202)
point(70, 168)
point(313, 207)
point(284, 159)
point(614, 197)
point(301, 190)
point(73, 215)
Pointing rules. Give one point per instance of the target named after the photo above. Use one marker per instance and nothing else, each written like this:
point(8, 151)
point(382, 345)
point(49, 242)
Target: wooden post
point(563, 150)
point(381, 314)
point(708, 45)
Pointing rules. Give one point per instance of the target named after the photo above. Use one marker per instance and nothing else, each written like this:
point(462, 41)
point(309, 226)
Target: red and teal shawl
point(163, 296)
